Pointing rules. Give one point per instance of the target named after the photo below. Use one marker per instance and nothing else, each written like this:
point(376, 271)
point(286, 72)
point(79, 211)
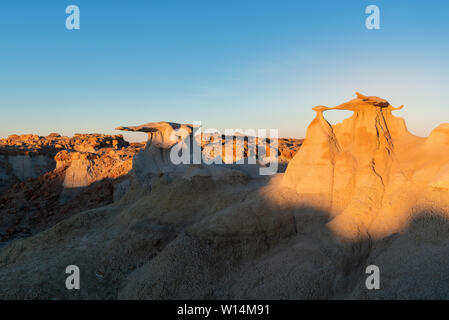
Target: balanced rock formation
point(212, 159)
point(368, 171)
point(155, 157)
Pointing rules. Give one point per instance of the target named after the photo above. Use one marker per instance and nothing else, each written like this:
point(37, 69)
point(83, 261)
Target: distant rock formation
point(155, 159)
point(30, 156)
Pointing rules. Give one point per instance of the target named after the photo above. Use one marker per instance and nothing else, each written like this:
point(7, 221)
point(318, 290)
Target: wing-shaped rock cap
point(156, 126)
point(361, 102)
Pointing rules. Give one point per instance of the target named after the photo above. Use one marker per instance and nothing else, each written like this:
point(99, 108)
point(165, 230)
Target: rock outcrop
point(45, 179)
point(30, 156)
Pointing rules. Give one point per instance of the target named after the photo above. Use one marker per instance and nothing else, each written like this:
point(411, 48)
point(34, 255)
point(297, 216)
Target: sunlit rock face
point(94, 157)
point(368, 172)
point(87, 158)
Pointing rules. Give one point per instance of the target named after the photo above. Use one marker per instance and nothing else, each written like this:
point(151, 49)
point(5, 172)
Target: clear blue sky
point(229, 63)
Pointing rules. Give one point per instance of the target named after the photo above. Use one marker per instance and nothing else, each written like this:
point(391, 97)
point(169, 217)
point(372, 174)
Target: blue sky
point(230, 64)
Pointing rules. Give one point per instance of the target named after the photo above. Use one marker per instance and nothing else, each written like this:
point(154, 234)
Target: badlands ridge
point(361, 192)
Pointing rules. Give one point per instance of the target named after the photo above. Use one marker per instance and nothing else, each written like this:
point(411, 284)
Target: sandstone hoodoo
point(155, 157)
point(368, 171)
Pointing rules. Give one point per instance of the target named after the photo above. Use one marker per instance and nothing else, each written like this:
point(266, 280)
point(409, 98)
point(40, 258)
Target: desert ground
point(361, 192)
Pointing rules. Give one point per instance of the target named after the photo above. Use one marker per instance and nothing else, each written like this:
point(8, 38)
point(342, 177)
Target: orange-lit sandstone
point(368, 171)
